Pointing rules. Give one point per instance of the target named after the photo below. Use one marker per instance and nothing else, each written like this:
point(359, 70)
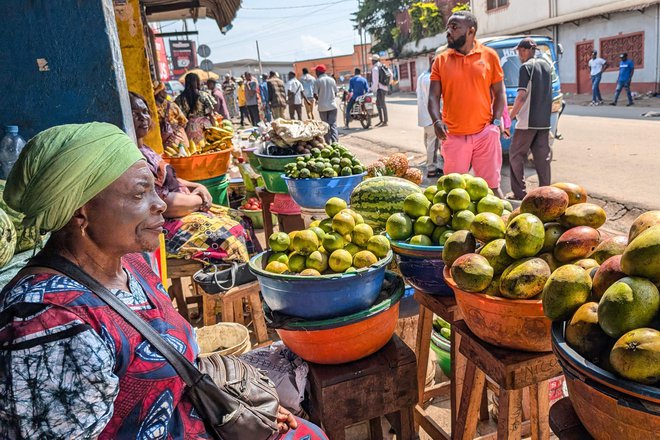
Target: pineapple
point(396, 164)
point(414, 175)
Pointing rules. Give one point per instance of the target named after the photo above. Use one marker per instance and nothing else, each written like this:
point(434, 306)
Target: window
point(494, 4)
point(632, 44)
point(403, 71)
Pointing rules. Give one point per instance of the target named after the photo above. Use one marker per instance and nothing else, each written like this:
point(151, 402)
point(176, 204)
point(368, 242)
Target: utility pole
point(261, 69)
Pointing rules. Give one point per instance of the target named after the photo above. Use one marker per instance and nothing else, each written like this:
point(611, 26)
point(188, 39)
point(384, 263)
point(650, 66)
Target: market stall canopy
point(203, 75)
point(222, 11)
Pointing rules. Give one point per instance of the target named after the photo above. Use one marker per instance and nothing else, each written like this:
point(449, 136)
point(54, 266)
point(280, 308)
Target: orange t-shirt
point(467, 105)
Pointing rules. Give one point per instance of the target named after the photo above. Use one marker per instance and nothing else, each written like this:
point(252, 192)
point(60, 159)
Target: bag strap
point(184, 368)
point(232, 280)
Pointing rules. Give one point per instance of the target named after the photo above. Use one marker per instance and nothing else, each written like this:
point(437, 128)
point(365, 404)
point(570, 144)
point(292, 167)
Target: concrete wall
point(83, 79)
point(516, 13)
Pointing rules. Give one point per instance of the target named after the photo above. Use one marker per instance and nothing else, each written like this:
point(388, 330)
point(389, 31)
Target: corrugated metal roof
point(222, 11)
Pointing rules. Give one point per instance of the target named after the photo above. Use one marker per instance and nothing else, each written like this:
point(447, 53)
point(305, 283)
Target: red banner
point(161, 56)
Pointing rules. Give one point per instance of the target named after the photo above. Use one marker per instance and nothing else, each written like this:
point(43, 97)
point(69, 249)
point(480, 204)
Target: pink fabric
point(481, 151)
point(506, 118)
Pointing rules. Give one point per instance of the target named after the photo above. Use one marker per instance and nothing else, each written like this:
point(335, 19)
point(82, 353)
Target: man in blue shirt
point(626, 70)
point(357, 86)
point(263, 91)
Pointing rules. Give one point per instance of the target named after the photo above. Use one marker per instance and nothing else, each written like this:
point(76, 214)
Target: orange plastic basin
point(200, 166)
point(518, 324)
point(343, 344)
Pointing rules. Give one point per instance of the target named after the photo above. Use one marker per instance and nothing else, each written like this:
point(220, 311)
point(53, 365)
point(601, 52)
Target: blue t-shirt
point(358, 85)
point(625, 70)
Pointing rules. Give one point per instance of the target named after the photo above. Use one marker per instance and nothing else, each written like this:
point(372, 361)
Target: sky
point(287, 30)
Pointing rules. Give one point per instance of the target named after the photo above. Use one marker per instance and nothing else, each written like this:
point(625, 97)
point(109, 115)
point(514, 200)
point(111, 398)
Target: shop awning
point(222, 11)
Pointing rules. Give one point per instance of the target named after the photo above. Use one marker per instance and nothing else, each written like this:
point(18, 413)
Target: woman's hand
point(204, 193)
point(285, 420)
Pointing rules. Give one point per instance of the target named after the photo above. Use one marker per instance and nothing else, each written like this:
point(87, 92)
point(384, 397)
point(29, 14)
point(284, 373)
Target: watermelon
point(26, 238)
point(7, 238)
point(377, 198)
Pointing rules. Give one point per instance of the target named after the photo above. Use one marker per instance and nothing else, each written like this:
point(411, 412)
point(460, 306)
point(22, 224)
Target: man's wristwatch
point(497, 122)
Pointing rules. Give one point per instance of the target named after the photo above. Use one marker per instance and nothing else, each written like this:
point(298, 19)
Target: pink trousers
point(481, 151)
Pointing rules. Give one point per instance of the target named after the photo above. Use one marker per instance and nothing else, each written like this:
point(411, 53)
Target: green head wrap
point(64, 167)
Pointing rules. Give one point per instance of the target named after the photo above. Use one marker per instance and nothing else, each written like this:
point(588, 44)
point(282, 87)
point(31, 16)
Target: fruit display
point(376, 199)
point(324, 161)
point(456, 202)
point(395, 165)
point(251, 204)
point(299, 137)
point(7, 238)
point(342, 243)
point(216, 138)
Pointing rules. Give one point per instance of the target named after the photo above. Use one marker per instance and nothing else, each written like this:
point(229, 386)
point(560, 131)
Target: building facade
point(342, 66)
point(238, 67)
point(609, 26)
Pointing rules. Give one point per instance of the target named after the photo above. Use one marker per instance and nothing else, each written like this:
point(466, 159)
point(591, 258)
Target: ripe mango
point(471, 272)
point(549, 258)
point(607, 274)
point(565, 291)
point(587, 263)
point(495, 253)
point(583, 214)
point(642, 255)
point(576, 194)
point(642, 223)
point(584, 335)
point(459, 243)
point(524, 279)
point(576, 243)
point(609, 248)
point(493, 288)
point(524, 236)
point(546, 202)
point(629, 303)
point(487, 226)
point(553, 231)
point(636, 356)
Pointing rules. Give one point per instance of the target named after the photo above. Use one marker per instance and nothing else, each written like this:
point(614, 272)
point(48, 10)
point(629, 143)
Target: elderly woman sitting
point(192, 231)
point(70, 365)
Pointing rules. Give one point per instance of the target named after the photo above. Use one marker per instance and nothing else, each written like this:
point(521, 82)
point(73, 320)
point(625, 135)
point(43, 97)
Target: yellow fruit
point(343, 223)
point(296, 262)
point(340, 260)
point(292, 234)
point(399, 226)
point(379, 245)
point(364, 259)
point(361, 234)
point(314, 224)
point(440, 214)
point(353, 214)
point(424, 226)
point(310, 273)
point(333, 241)
point(326, 225)
point(279, 256)
point(276, 267)
point(421, 240)
point(305, 242)
point(358, 219)
point(279, 241)
point(452, 181)
point(458, 199)
point(318, 261)
point(320, 233)
point(334, 205)
point(416, 205)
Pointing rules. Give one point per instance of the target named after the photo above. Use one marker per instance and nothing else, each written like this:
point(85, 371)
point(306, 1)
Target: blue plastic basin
point(313, 193)
point(325, 296)
point(421, 267)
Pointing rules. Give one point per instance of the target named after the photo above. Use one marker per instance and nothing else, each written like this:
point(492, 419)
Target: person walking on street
point(198, 106)
point(276, 95)
point(251, 98)
point(263, 90)
point(469, 80)
point(380, 81)
point(626, 71)
point(597, 66)
point(294, 95)
point(434, 160)
point(220, 104)
point(242, 102)
point(357, 87)
point(532, 108)
point(308, 81)
point(229, 90)
point(325, 92)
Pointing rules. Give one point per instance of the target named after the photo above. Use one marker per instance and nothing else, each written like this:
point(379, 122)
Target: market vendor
point(70, 367)
point(172, 120)
point(191, 231)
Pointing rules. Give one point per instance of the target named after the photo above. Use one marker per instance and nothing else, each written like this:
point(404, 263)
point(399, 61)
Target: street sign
point(206, 65)
point(203, 51)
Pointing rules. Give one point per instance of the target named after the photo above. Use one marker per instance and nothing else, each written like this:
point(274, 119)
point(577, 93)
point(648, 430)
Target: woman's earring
point(82, 230)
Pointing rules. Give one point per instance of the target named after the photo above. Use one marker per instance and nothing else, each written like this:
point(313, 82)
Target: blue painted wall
point(85, 81)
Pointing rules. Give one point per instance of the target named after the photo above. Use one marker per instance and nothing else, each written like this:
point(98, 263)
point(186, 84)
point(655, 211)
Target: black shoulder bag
point(234, 399)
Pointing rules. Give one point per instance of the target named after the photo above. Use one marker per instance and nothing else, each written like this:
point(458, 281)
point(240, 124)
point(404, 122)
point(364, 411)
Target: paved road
point(612, 151)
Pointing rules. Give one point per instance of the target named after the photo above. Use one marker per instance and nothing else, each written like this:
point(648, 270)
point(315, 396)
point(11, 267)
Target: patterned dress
point(73, 368)
point(200, 115)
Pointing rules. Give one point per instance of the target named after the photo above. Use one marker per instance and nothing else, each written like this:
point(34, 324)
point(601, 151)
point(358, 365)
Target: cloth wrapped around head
point(64, 167)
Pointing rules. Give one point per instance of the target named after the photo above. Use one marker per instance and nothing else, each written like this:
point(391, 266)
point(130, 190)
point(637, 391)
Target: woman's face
point(141, 117)
point(127, 216)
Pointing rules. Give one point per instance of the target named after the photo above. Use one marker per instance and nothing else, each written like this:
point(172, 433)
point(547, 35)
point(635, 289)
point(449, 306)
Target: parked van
point(505, 47)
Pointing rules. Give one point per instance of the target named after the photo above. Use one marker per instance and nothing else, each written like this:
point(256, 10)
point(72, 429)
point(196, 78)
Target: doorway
point(583, 53)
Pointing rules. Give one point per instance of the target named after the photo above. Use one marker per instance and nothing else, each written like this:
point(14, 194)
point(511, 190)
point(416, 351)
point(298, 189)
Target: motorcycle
point(363, 109)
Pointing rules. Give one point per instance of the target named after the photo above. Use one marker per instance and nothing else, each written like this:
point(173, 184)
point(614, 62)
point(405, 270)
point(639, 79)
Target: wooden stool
point(179, 268)
point(228, 302)
point(288, 223)
point(383, 384)
point(447, 309)
point(512, 371)
point(565, 423)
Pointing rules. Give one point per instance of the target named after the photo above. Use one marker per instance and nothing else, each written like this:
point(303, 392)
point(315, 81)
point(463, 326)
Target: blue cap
point(11, 129)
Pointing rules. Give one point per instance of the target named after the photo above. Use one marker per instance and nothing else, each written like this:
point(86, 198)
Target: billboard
point(162, 64)
point(183, 56)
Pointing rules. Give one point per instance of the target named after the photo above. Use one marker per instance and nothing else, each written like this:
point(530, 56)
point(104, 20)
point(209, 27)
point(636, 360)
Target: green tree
point(425, 20)
point(378, 17)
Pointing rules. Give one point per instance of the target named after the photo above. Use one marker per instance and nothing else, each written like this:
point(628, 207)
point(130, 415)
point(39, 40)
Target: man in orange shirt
point(468, 77)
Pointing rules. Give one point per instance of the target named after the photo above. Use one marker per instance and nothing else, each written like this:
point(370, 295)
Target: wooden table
point(447, 309)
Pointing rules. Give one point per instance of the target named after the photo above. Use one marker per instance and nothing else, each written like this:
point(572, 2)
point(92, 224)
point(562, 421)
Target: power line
point(297, 7)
